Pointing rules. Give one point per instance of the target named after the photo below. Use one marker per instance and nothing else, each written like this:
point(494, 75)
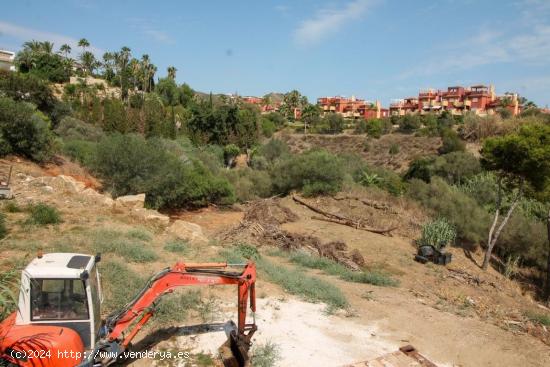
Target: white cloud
point(24, 34)
point(529, 46)
point(327, 20)
point(157, 35)
point(146, 27)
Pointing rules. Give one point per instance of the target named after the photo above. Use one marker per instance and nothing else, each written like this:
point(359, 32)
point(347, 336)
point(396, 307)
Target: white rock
point(69, 183)
point(150, 215)
point(47, 189)
point(107, 201)
point(131, 201)
point(187, 231)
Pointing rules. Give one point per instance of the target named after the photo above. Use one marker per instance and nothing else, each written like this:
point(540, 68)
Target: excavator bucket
point(234, 352)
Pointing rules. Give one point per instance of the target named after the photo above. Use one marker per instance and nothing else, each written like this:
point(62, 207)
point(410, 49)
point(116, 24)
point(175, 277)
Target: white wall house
point(7, 60)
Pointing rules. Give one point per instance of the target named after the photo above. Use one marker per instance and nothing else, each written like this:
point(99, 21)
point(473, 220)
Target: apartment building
point(352, 107)
point(457, 100)
point(7, 59)
point(265, 108)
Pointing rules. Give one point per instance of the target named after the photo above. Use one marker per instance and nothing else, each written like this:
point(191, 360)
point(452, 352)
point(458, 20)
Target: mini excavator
point(58, 322)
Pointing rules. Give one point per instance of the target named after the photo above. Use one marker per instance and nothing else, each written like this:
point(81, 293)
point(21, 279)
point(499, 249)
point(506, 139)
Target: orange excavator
point(58, 321)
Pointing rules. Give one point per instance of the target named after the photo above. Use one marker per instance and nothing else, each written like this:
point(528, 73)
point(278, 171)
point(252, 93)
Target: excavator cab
point(62, 289)
point(58, 321)
point(59, 293)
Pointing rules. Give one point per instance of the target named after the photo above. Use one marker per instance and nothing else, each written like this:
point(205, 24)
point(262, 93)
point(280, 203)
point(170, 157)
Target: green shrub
point(28, 88)
point(268, 127)
point(265, 355)
point(463, 212)
point(25, 131)
point(333, 123)
point(409, 123)
point(43, 214)
point(137, 253)
point(12, 207)
point(455, 167)
point(129, 164)
point(273, 150)
point(230, 152)
point(259, 162)
point(140, 234)
point(277, 118)
point(421, 168)
point(177, 247)
point(381, 178)
point(540, 318)
point(81, 151)
point(378, 127)
point(451, 142)
point(394, 149)
point(249, 184)
point(360, 126)
point(315, 172)
point(8, 296)
point(438, 233)
point(74, 129)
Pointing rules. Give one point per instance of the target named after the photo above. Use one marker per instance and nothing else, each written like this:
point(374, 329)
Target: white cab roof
point(59, 265)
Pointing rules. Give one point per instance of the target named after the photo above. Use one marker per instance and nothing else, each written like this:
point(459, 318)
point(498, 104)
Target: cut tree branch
point(371, 203)
point(335, 218)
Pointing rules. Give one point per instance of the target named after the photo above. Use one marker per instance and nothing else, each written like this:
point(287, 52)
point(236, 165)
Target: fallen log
point(357, 225)
point(371, 203)
point(335, 218)
point(318, 210)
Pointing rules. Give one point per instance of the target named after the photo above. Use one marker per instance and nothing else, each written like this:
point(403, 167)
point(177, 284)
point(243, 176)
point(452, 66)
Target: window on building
point(475, 99)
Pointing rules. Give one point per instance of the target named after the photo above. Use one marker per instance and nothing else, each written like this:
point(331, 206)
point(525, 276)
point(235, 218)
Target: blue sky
point(374, 49)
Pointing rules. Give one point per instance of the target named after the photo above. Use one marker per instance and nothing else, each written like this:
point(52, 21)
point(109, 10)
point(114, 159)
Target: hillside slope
point(455, 315)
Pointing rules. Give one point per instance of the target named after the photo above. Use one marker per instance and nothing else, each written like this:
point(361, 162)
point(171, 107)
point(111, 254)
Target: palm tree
point(122, 59)
point(135, 68)
point(32, 46)
point(88, 61)
point(145, 64)
point(83, 43)
point(66, 49)
point(151, 76)
point(172, 72)
point(46, 47)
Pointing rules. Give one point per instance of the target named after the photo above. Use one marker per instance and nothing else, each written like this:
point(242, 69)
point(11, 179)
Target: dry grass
point(378, 153)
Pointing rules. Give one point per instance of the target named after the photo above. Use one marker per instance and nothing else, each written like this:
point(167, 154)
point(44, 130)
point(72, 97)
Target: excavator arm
point(123, 325)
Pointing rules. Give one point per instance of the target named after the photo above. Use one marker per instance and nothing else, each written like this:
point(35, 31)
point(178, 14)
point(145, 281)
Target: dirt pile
point(261, 226)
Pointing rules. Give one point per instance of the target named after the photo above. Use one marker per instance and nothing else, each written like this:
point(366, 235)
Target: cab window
point(58, 299)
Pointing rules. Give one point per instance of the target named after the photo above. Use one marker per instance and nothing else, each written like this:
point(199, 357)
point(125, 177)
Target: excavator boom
point(59, 310)
point(122, 326)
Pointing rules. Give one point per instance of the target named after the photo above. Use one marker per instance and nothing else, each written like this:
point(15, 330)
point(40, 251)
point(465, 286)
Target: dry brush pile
point(261, 226)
